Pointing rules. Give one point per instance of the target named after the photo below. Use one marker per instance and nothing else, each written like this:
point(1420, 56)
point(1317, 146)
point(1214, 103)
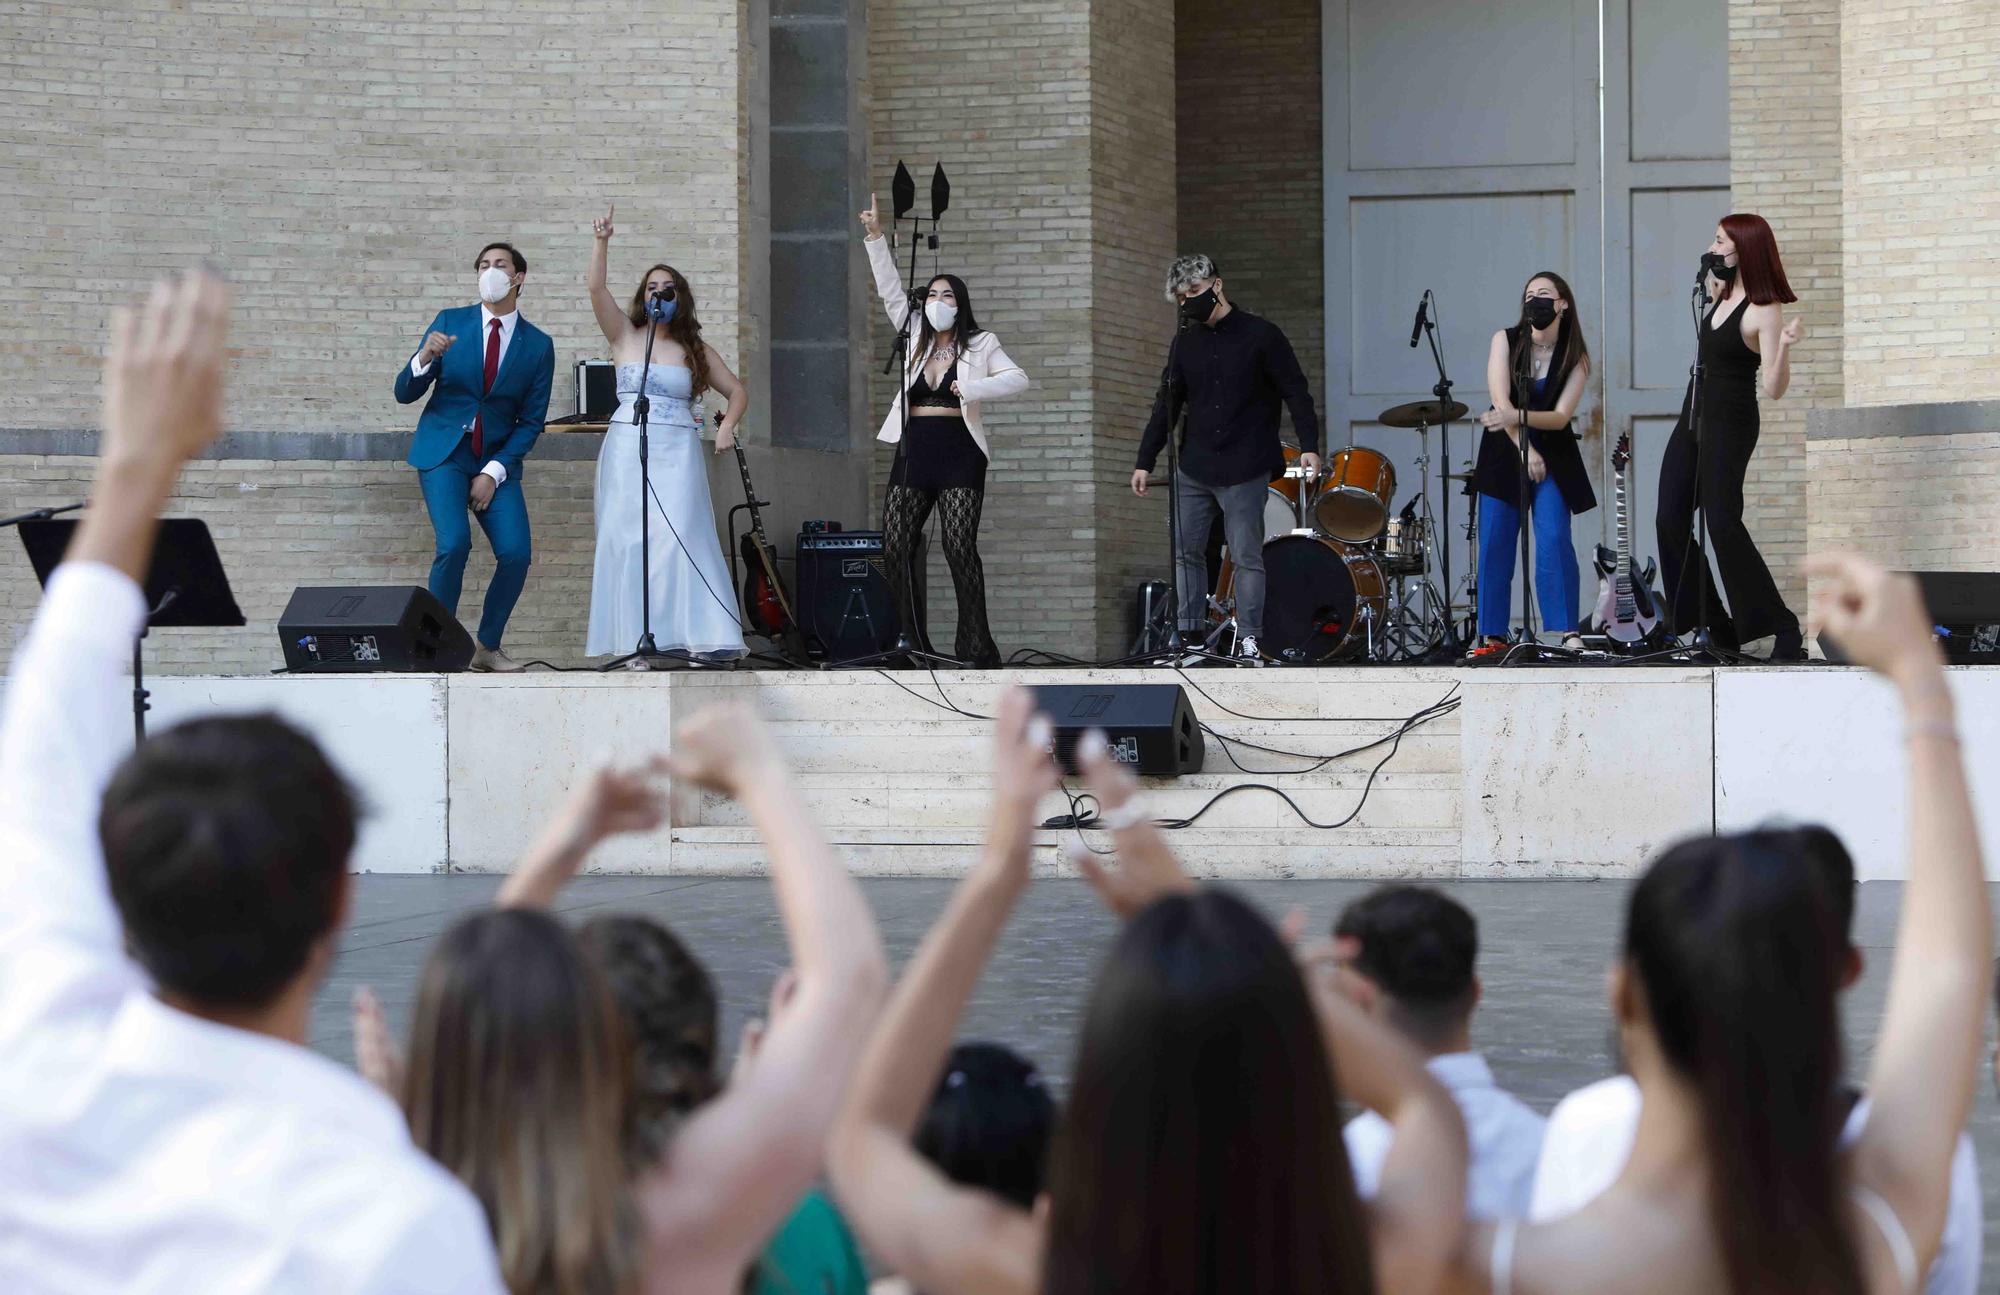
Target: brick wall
point(1785, 163)
point(1921, 200)
point(1057, 191)
point(345, 164)
point(1922, 503)
point(1250, 190)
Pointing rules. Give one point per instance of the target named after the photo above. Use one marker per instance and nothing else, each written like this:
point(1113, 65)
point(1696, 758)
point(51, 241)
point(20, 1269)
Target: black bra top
point(925, 396)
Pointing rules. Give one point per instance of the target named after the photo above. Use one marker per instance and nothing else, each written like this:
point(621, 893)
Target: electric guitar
point(1628, 609)
point(764, 599)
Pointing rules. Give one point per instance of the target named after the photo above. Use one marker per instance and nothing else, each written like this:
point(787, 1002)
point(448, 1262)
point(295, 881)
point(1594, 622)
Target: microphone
point(1417, 329)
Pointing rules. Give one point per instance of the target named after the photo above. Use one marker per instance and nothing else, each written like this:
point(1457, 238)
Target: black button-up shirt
point(1232, 378)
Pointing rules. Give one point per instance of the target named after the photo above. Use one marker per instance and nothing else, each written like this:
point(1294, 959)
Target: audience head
point(1733, 955)
point(516, 1083)
point(226, 842)
point(989, 1123)
point(1406, 955)
point(1187, 1143)
point(667, 1002)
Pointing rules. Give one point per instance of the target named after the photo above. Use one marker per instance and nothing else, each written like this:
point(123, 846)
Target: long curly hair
point(685, 326)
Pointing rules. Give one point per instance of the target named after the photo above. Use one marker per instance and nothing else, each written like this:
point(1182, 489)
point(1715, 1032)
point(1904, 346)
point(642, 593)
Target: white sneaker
point(488, 660)
point(1248, 651)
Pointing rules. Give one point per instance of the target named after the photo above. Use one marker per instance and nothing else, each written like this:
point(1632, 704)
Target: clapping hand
point(1146, 867)
point(723, 749)
point(376, 1055)
point(601, 227)
point(1876, 615)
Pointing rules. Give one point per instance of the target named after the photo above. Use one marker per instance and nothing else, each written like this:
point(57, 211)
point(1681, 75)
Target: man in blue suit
point(488, 402)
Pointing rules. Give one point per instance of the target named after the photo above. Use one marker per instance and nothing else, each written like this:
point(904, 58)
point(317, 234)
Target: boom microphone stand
point(1701, 645)
point(1451, 647)
point(911, 647)
point(647, 652)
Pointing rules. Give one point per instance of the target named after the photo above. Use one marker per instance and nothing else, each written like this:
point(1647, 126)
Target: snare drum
point(1322, 599)
point(1354, 503)
point(1405, 543)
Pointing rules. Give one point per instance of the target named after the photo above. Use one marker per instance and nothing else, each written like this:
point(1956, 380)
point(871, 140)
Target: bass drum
point(1322, 599)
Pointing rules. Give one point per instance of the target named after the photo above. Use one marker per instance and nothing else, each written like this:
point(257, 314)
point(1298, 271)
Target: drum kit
point(1347, 577)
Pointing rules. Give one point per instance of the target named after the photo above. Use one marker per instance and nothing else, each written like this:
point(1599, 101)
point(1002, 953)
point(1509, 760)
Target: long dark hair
point(1569, 350)
point(1736, 943)
point(964, 328)
point(1758, 267)
point(517, 1084)
point(685, 327)
point(1200, 1149)
point(667, 1000)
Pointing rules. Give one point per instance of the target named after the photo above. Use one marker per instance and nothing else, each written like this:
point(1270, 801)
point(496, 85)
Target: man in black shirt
point(1231, 370)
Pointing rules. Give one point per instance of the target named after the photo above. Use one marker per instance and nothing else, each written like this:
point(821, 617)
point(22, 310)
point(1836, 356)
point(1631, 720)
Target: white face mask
point(941, 314)
point(494, 284)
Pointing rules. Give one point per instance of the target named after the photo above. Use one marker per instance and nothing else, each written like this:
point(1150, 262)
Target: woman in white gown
point(693, 604)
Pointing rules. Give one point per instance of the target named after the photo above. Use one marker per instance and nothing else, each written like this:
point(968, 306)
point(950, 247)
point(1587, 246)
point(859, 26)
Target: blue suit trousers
point(447, 494)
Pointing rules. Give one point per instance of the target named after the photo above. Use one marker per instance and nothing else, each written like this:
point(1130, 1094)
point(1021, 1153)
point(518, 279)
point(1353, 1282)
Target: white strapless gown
point(694, 606)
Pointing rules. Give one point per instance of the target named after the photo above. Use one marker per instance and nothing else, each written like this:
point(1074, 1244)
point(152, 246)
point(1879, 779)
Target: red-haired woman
point(1746, 346)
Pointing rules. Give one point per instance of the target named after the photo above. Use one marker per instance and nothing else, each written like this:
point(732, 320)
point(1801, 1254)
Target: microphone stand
point(647, 652)
point(1701, 645)
point(1453, 646)
point(912, 645)
point(1521, 385)
point(1175, 651)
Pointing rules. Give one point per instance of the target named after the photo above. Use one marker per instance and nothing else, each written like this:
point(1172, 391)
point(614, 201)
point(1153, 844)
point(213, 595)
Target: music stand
point(185, 586)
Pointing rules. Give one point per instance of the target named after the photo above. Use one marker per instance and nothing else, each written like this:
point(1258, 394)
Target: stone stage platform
point(1540, 772)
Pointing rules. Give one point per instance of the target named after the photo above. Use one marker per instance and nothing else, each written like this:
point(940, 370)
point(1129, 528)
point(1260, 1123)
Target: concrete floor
point(1544, 947)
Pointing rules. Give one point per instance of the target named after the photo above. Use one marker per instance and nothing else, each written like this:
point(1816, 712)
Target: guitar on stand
point(1628, 608)
point(765, 604)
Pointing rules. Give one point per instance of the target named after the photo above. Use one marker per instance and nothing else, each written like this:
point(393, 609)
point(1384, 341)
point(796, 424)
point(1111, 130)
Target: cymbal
point(1421, 413)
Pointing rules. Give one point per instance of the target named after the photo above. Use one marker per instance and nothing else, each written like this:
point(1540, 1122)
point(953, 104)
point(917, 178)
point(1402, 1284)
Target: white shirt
point(1590, 1138)
point(143, 1149)
point(1502, 1137)
point(494, 468)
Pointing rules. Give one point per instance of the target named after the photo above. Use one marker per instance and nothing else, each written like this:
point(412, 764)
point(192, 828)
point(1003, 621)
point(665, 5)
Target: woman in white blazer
point(955, 366)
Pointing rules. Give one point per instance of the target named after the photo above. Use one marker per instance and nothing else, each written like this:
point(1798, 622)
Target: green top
point(813, 1253)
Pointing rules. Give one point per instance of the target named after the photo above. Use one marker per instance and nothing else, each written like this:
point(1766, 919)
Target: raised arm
point(611, 321)
point(1922, 1079)
point(1775, 340)
point(68, 709)
point(939, 1236)
point(608, 802)
point(1417, 1216)
point(882, 260)
point(740, 1164)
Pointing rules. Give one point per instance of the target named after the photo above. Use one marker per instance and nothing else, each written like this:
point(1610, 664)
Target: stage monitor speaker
point(596, 389)
point(371, 627)
point(845, 606)
point(1151, 726)
point(1965, 608)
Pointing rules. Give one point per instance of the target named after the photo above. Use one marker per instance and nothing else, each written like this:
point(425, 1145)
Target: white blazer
point(984, 371)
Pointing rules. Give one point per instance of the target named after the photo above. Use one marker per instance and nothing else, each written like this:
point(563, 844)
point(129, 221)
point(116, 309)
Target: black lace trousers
point(903, 518)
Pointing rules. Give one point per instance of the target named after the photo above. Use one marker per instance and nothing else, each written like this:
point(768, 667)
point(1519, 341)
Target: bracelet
point(1942, 729)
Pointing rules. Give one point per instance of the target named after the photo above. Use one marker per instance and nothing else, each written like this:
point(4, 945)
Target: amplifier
point(1151, 726)
point(844, 604)
point(1964, 608)
point(596, 390)
point(366, 628)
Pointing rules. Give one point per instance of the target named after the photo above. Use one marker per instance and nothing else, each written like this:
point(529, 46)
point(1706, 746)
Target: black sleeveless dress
point(1710, 477)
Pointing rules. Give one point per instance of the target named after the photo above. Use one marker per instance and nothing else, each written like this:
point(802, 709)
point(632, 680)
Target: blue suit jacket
point(513, 412)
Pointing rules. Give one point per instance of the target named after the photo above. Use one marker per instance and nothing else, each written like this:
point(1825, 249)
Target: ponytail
point(1738, 947)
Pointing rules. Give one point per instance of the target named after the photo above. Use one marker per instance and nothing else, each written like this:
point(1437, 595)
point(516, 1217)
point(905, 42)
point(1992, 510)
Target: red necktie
point(492, 367)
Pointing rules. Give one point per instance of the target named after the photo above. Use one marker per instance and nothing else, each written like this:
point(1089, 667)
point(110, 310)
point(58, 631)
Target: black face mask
point(1715, 265)
point(1540, 311)
point(1197, 309)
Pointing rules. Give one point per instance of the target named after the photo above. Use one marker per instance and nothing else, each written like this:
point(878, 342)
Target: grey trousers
point(1242, 509)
